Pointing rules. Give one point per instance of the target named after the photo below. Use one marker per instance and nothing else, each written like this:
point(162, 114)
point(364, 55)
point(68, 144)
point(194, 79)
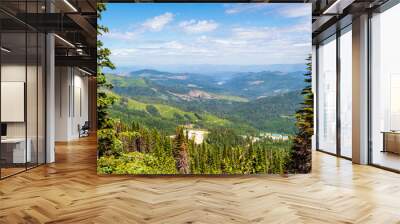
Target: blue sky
point(216, 34)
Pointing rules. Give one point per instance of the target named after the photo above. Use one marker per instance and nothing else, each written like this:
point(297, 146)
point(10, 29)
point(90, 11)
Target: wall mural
point(204, 88)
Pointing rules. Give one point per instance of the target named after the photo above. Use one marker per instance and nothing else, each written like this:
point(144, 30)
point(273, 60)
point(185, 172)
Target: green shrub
point(153, 110)
point(135, 163)
point(108, 143)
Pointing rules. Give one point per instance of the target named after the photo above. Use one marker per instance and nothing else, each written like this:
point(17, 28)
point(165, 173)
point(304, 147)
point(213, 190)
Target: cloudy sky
point(215, 34)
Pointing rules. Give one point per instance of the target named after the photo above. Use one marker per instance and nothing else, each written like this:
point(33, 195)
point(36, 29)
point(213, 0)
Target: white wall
point(62, 82)
point(9, 73)
point(80, 115)
point(71, 94)
point(33, 126)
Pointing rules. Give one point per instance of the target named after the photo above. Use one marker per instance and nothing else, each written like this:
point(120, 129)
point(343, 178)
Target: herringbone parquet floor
point(69, 191)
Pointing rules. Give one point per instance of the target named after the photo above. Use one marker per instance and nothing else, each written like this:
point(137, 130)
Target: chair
point(84, 130)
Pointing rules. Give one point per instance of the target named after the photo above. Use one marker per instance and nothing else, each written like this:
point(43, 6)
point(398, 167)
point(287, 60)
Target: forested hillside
point(147, 151)
point(246, 102)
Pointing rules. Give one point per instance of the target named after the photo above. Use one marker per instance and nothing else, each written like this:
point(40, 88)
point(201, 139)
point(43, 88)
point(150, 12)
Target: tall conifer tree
point(180, 151)
point(106, 133)
point(301, 151)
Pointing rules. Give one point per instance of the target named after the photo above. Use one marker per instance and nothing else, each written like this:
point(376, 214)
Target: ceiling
point(331, 15)
point(73, 21)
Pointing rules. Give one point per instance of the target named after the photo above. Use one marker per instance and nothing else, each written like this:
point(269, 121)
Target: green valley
point(246, 102)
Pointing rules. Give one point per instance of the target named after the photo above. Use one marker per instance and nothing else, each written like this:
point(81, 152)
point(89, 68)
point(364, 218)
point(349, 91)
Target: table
point(13, 150)
point(391, 141)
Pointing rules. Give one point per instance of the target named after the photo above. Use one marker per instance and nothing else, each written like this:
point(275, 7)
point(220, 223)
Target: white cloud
point(200, 26)
point(153, 50)
point(254, 33)
point(159, 22)
point(301, 45)
point(299, 28)
point(174, 45)
point(154, 24)
point(269, 33)
point(242, 45)
point(296, 10)
point(128, 35)
point(123, 51)
point(244, 7)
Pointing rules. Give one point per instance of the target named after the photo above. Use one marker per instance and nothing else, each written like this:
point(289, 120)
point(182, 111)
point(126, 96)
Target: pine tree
point(301, 151)
point(180, 152)
point(139, 141)
point(106, 133)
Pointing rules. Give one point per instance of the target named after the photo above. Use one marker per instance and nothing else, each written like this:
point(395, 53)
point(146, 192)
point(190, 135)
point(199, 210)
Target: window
point(385, 89)
point(15, 147)
point(327, 95)
point(346, 93)
point(22, 92)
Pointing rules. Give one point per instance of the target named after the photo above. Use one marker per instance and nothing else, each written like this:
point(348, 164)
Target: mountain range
point(209, 69)
point(263, 101)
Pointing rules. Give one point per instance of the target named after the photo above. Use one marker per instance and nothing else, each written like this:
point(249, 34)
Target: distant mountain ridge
point(207, 69)
point(245, 101)
point(148, 71)
point(250, 85)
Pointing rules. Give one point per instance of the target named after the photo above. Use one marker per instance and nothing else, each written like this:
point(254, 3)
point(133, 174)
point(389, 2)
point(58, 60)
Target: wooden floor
point(5, 172)
point(387, 159)
point(69, 191)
